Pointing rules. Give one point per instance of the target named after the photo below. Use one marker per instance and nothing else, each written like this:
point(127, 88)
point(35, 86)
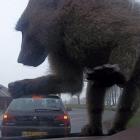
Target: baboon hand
point(19, 88)
point(102, 72)
point(107, 76)
point(89, 130)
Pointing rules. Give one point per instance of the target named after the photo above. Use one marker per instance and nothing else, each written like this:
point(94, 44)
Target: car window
point(28, 104)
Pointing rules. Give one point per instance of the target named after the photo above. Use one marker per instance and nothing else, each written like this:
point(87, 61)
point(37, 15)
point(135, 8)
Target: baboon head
point(40, 29)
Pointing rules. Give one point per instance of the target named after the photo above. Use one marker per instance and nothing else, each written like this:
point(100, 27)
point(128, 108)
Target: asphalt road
point(79, 118)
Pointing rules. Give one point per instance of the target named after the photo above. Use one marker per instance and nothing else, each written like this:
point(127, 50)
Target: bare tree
point(78, 98)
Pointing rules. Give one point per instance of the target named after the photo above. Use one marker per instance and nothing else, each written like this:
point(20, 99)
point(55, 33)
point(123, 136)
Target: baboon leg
point(95, 104)
point(128, 105)
point(129, 64)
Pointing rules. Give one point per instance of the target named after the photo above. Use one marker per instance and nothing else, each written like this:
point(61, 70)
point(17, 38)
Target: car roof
point(45, 96)
point(53, 96)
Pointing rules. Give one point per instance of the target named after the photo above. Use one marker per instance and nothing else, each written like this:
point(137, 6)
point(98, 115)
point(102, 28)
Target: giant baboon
point(78, 35)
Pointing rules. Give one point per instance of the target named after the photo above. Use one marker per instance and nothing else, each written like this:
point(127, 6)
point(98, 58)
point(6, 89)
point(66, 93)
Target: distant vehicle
point(36, 116)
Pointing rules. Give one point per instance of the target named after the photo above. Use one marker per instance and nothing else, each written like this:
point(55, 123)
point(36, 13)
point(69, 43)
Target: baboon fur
point(76, 35)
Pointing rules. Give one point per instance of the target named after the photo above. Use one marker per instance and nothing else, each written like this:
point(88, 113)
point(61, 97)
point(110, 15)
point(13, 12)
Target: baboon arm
point(129, 101)
point(95, 106)
point(66, 77)
point(51, 84)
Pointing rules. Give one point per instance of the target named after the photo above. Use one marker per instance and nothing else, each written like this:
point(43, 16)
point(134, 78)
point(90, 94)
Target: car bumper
point(34, 131)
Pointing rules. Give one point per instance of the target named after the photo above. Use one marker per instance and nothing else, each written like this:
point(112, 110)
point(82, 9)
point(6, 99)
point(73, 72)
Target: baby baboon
point(78, 35)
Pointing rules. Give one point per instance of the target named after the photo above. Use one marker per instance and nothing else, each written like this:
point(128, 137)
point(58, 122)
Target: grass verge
point(135, 121)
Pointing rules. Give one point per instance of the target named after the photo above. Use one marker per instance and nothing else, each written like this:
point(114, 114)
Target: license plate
point(33, 134)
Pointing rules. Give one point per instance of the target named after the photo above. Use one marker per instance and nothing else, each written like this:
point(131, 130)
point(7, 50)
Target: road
point(79, 118)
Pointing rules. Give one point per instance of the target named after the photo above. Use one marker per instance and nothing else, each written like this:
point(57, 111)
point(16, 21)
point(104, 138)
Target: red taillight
point(8, 117)
point(5, 116)
point(64, 118)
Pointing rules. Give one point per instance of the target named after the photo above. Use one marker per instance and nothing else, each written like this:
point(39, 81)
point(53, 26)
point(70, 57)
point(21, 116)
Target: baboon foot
point(113, 131)
point(89, 130)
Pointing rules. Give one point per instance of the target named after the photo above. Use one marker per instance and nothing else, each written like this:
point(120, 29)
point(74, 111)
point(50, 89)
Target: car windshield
point(30, 104)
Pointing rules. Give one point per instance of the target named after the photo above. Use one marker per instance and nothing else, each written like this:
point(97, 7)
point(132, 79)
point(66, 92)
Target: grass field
point(135, 121)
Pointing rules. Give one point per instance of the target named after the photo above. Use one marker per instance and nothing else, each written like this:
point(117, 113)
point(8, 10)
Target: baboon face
point(40, 31)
